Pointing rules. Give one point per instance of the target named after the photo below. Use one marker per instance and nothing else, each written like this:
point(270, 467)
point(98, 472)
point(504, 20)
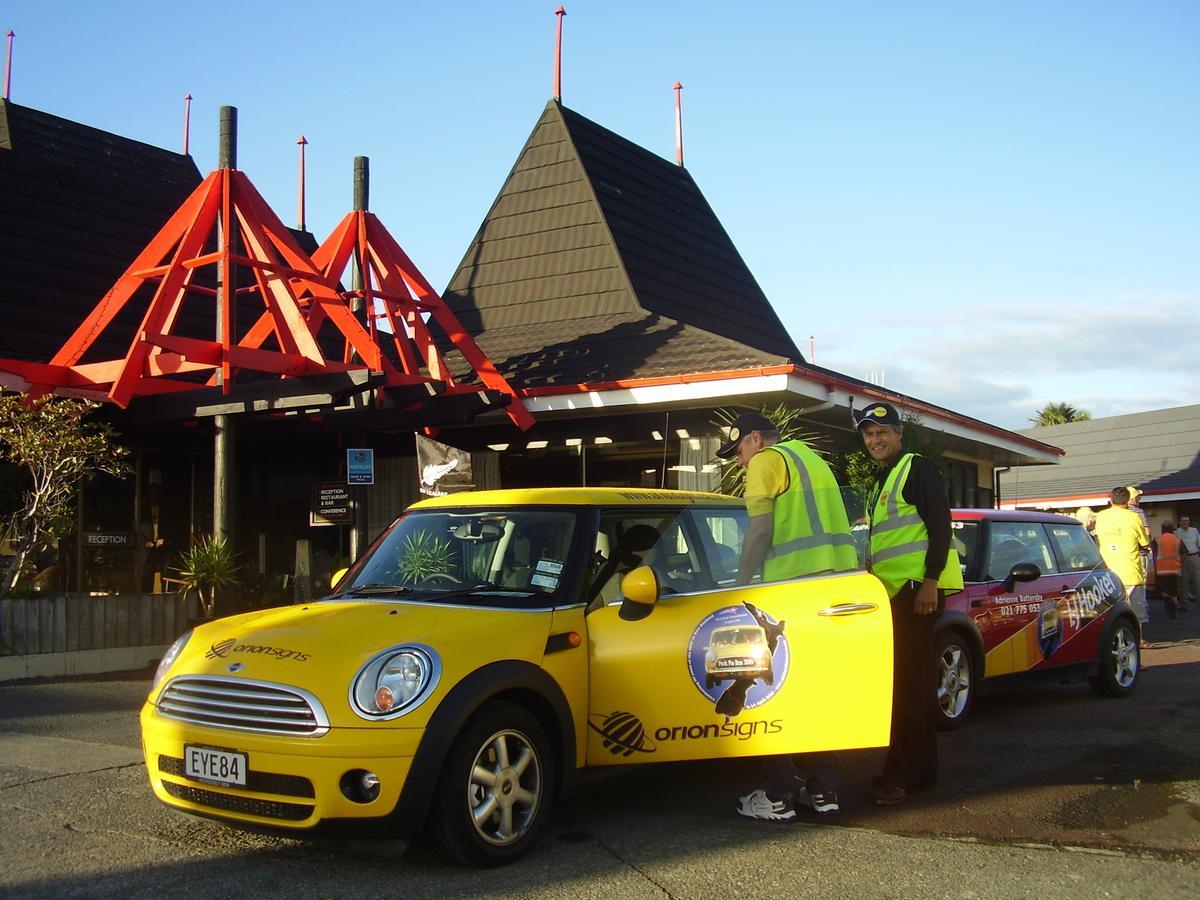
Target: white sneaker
point(826, 803)
point(759, 805)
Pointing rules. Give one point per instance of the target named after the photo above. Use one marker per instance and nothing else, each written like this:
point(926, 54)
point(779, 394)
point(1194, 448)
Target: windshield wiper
point(376, 587)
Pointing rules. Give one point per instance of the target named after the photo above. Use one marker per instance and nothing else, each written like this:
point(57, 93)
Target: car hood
point(320, 647)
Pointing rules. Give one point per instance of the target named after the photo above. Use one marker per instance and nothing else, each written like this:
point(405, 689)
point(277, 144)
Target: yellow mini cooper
point(490, 646)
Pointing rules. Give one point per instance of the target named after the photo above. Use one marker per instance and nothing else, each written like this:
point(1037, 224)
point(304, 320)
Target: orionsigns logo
point(222, 649)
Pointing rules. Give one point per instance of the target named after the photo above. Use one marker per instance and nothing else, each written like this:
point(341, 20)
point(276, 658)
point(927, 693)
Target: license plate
point(218, 766)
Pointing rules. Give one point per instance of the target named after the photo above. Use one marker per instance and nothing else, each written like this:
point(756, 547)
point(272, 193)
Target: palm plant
point(206, 567)
point(424, 554)
point(787, 423)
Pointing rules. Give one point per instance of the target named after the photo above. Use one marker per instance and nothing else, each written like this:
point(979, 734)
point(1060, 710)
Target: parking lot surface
point(1047, 791)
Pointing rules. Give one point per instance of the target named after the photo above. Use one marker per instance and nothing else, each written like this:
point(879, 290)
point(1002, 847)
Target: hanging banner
point(442, 469)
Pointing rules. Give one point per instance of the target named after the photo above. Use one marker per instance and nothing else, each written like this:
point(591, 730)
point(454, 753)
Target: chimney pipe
point(8, 65)
point(560, 12)
point(227, 149)
point(302, 142)
point(187, 121)
point(362, 183)
point(678, 124)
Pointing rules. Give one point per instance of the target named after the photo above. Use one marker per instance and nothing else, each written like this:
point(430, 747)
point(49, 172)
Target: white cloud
point(1002, 362)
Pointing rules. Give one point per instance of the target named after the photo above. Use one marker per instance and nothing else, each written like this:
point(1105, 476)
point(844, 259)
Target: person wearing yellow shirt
point(1122, 537)
point(797, 527)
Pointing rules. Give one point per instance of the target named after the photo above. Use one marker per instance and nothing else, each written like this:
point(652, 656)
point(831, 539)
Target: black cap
point(742, 426)
point(879, 414)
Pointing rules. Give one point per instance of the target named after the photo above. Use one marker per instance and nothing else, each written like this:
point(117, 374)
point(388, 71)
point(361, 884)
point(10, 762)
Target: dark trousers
point(912, 755)
point(820, 771)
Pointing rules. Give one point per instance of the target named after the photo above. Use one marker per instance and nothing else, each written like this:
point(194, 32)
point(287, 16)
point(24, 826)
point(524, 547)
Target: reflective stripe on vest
point(899, 539)
point(814, 514)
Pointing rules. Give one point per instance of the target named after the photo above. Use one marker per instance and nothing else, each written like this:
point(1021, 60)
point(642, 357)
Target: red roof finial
point(678, 124)
point(560, 12)
point(8, 64)
point(302, 142)
point(187, 121)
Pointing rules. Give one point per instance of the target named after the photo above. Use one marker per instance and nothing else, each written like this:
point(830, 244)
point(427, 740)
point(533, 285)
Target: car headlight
point(395, 681)
point(169, 658)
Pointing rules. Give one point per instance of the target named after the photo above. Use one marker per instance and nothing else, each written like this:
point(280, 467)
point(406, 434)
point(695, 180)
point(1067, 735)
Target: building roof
point(1158, 451)
point(600, 261)
point(79, 205)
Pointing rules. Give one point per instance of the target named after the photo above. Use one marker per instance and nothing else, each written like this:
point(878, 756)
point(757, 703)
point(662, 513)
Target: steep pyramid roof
point(601, 261)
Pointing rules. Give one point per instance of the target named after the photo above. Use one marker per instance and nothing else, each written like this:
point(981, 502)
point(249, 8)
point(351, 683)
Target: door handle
point(848, 609)
point(1069, 590)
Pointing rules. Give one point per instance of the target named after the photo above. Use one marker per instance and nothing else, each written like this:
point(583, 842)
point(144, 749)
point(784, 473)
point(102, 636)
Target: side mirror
point(1021, 572)
point(337, 576)
point(641, 591)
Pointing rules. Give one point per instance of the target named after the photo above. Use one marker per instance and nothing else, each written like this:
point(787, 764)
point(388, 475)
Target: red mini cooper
point(1038, 601)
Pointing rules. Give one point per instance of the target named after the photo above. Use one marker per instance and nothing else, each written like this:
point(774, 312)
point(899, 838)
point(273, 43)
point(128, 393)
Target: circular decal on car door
point(738, 657)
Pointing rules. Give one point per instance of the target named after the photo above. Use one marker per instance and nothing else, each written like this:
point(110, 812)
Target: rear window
point(1075, 548)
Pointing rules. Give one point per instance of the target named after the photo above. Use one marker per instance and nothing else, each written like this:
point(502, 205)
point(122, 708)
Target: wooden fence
point(62, 623)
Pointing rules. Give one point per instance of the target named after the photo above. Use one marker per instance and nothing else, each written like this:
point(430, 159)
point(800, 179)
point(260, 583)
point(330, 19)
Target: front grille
point(260, 782)
point(242, 705)
point(265, 809)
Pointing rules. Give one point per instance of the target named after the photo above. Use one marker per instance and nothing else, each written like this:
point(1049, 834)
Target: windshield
point(488, 557)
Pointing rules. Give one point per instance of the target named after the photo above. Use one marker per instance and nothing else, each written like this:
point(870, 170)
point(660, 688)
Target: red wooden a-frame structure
point(389, 283)
point(300, 298)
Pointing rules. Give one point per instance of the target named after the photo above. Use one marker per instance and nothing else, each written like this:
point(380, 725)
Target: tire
point(955, 678)
point(1120, 661)
point(507, 741)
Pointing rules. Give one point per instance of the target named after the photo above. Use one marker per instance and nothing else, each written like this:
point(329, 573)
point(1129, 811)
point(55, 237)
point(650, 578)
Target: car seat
point(630, 548)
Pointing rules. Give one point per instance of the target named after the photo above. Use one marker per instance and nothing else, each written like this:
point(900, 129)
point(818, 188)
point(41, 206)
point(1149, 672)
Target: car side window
point(630, 538)
point(721, 534)
point(1075, 548)
point(1010, 543)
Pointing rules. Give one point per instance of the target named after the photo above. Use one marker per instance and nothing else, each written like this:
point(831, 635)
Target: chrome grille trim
point(240, 704)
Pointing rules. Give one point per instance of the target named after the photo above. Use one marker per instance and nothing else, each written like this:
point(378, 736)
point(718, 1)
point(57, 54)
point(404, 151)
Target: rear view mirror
point(477, 531)
point(1021, 572)
point(337, 577)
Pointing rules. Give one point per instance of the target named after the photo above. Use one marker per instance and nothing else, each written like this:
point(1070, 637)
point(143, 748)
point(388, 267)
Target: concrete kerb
point(81, 662)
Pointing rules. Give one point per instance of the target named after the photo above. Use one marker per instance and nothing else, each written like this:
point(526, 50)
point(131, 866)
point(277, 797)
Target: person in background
point(910, 551)
point(1087, 518)
point(1189, 562)
point(797, 527)
point(1135, 494)
point(1166, 568)
point(1122, 538)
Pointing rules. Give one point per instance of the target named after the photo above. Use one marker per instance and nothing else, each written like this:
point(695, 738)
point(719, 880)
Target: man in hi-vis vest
point(910, 551)
point(797, 527)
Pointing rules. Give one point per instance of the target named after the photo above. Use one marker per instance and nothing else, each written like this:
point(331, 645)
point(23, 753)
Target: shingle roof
point(1158, 451)
point(605, 260)
point(79, 205)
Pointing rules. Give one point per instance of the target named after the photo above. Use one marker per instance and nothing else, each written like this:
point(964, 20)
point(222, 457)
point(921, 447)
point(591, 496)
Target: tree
point(55, 449)
point(1059, 414)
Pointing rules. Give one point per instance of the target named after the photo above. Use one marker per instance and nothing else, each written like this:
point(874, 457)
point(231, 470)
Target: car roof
point(579, 496)
point(1009, 515)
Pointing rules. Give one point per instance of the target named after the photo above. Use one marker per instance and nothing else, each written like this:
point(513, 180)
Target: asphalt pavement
point(1047, 792)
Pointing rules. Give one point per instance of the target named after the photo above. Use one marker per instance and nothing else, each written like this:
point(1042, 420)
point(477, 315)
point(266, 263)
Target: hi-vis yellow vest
point(899, 539)
point(811, 532)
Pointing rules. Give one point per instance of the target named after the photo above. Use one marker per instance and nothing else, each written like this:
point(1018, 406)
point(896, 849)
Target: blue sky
point(990, 206)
